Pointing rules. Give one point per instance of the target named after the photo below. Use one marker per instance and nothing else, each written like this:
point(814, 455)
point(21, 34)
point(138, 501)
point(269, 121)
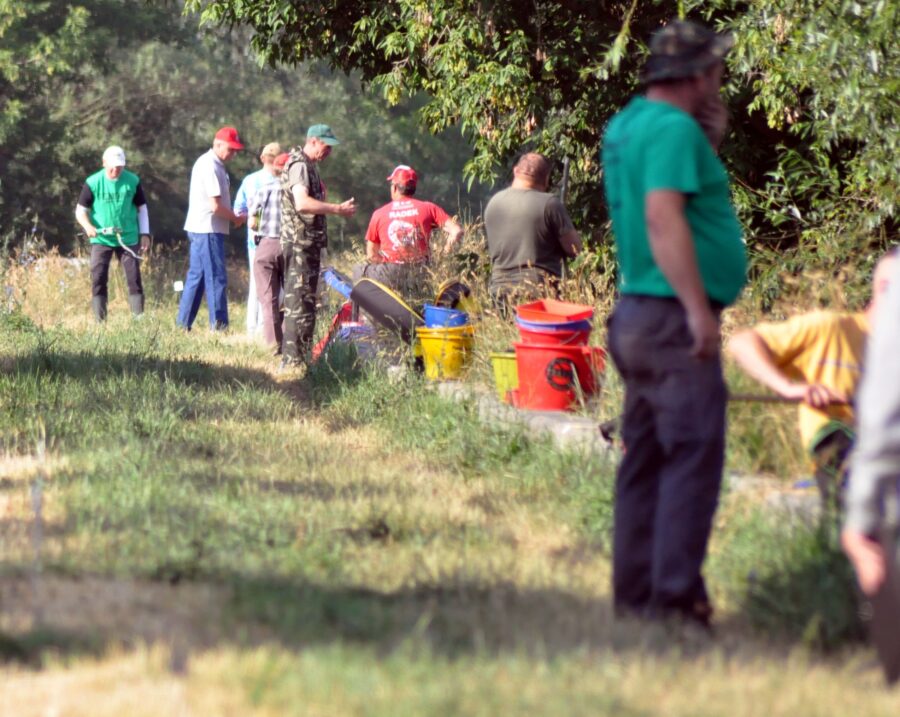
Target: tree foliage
point(49, 48)
point(813, 90)
point(100, 78)
point(512, 75)
point(826, 75)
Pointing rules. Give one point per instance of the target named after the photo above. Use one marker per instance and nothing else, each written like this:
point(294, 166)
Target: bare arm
point(220, 210)
point(373, 252)
point(81, 216)
point(672, 246)
point(305, 204)
point(571, 243)
point(867, 556)
point(454, 232)
point(754, 356)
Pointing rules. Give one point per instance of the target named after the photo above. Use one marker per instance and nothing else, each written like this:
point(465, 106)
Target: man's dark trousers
point(101, 256)
point(667, 485)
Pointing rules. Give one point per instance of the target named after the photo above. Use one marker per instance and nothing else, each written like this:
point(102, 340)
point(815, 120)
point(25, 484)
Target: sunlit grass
point(217, 538)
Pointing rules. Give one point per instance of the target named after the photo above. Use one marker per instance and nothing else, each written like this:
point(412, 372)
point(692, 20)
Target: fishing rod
point(609, 428)
point(771, 398)
point(117, 231)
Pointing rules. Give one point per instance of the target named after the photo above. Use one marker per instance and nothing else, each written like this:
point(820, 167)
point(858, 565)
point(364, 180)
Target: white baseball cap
point(114, 156)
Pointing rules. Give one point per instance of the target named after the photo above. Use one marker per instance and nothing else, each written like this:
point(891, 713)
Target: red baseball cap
point(403, 174)
point(230, 136)
point(282, 159)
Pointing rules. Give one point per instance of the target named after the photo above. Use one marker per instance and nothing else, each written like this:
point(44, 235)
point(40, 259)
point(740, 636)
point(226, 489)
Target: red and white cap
point(229, 135)
point(403, 174)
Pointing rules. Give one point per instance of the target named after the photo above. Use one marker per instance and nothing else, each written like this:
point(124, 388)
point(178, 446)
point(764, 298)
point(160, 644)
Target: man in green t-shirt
point(681, 261)
point(113, 213)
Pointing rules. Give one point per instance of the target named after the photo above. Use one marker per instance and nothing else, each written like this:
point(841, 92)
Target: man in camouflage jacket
point(303, 236)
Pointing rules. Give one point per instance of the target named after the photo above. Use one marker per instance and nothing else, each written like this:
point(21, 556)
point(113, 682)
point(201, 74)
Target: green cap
point(684, 49)
point(322, 132)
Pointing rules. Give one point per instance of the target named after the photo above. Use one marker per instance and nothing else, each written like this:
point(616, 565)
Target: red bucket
point(562, 337)
point(550, 376)
point(553, 310)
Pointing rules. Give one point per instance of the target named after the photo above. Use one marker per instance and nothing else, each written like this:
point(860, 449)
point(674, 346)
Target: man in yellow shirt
point(816, 359)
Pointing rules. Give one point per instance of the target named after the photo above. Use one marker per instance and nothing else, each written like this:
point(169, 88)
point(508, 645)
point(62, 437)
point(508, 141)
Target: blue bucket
point(579, 325)
point(437, 316)
point(337, 281)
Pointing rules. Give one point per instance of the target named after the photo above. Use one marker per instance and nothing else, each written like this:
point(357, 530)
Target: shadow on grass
point(453, 619)
point(88, 366)
point(305, 486)
point(30, 647)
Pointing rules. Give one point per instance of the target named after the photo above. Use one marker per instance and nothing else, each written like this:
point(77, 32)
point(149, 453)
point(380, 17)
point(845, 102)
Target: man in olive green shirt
point(681, 260)
point(529, 235)
point(112, 211)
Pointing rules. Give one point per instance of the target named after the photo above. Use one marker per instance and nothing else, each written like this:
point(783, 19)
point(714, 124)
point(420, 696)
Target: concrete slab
point(571, 431)
point(567, 430)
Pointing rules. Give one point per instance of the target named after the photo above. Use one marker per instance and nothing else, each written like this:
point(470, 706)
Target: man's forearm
point(753, 355)
point(454, 232)
point(143, 219)
point(307, 205)
point(571, 243)
point(81, 216)
point(672, 246)
point(225, 213)
point(220, 210)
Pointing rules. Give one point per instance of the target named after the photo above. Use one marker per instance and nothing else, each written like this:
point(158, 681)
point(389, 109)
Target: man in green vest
point(112, 211)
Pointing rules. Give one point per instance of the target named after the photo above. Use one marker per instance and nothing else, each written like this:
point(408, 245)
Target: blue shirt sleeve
point(240, 199)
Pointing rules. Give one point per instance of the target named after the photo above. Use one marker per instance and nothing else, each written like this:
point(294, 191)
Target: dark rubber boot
point(98, 303)
point(136, 302)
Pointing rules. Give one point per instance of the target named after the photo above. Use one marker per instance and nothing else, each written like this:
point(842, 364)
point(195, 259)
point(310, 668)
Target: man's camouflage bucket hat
point(684, 49)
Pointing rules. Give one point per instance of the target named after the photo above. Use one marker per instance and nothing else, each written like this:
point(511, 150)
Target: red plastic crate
point(551, 310)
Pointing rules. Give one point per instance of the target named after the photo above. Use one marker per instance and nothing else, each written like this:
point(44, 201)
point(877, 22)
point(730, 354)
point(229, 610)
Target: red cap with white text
point(403, 175)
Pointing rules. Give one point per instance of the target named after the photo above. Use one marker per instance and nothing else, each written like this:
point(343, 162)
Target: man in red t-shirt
point(399, 231)
point(397, 241)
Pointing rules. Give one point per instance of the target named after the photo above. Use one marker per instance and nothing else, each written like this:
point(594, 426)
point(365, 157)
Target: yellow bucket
point(506, 373)
point(446, 350)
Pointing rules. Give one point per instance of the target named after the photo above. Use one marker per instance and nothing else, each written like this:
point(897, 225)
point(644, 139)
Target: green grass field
point(183, 531)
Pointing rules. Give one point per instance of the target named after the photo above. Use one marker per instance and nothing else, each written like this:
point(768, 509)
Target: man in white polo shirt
point(207, 225)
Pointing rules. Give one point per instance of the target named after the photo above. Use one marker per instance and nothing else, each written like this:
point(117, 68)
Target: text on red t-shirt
point(401, 229)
